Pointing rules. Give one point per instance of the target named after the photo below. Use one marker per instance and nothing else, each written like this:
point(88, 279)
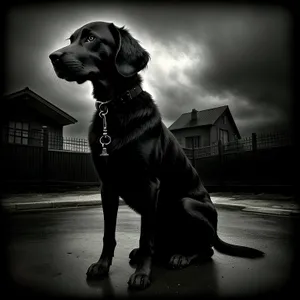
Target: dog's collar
point(130, 94)
point(123, 98)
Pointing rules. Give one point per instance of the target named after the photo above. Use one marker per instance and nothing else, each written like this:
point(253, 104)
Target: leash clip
point(105, 139)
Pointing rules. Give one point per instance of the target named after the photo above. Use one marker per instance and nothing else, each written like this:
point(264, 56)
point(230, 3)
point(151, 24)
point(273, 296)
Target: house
point(25, 115)
point(197, 129)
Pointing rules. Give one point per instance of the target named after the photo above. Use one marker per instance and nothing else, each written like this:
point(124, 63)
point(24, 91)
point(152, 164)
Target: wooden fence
point(253, 143)
point(47, 159)
point(259, 162)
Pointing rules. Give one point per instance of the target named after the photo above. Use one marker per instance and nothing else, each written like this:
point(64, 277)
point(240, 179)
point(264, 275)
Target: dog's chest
point(131, 161)
point(130, 165)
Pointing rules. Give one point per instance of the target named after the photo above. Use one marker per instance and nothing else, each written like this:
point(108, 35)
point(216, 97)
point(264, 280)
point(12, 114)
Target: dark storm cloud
point(249, 53)
point(239, 55)
point(253, 63)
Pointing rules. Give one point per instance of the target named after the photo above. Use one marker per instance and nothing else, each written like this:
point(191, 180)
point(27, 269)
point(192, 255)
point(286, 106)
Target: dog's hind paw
point(178, 261)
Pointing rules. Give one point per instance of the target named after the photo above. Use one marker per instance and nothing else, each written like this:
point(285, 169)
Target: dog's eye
point(90, 38)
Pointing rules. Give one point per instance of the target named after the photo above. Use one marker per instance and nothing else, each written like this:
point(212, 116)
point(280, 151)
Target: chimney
point(194, 114)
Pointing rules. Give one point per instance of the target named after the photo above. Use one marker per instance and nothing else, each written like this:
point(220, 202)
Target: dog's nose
point(55, 56)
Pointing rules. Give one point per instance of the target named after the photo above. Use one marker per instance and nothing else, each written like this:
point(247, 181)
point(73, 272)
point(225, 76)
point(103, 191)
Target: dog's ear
point(130, 57)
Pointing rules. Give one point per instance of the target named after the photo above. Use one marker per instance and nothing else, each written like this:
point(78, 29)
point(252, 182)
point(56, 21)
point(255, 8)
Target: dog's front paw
point(99, 269)
point(139, 280)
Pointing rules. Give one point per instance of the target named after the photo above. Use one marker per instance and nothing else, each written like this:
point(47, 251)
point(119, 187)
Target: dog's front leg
point(110, 203)
point(140, 279)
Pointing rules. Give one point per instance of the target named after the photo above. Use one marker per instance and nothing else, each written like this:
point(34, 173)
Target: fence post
point(254, 164)
point(45, 154)
point(220, 151)
point(193, 158)
point(254, 142)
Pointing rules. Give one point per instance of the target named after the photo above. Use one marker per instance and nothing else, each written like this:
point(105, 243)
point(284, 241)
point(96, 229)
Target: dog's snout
point(55, 56)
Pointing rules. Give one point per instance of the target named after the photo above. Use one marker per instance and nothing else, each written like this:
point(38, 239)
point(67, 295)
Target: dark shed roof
point(42, 105)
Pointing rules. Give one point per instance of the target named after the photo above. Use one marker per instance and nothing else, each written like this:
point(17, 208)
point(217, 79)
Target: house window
point(18, 133)
point(224, 119)
point(193, 141)
point(224, 136)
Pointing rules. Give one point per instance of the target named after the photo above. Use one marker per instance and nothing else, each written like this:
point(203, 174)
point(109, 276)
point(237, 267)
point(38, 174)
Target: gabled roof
point(42, 105)
point(204, 118)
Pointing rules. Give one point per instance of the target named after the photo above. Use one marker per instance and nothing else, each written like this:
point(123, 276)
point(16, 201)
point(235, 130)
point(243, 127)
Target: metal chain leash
point(105, 139)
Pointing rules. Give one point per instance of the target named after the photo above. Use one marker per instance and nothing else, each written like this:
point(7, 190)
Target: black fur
point(146, 165)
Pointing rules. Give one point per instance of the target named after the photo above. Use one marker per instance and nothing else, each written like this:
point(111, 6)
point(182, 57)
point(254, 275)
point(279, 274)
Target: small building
point(25, 115)
point(202, 128)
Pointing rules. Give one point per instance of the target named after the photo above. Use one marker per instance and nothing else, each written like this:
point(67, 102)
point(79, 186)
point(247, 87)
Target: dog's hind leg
point(195, 234)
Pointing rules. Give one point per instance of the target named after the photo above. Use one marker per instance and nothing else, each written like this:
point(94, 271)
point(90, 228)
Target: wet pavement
point(50, 252)
point(259, 203)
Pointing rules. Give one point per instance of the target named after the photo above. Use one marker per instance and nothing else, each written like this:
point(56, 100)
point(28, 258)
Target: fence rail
point(68, 143)
point(271, 140)
point(254, 142)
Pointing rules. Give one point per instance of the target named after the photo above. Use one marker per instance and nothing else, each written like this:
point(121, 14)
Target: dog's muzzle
point(66, 67)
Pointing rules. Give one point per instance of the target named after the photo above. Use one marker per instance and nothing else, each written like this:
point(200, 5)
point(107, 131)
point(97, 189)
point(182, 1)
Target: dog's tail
point(236, 250)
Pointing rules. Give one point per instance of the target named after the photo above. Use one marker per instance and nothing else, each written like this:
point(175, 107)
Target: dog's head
point(99, 51)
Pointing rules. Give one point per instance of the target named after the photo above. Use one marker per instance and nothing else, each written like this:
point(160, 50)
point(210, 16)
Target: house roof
point(42, 105)
point(204, 118)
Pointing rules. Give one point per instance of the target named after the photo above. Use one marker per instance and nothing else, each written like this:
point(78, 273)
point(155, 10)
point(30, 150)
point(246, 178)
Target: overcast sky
point(201, 57)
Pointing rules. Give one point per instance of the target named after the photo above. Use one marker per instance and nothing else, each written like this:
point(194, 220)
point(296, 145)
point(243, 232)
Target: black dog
point(138, 158)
